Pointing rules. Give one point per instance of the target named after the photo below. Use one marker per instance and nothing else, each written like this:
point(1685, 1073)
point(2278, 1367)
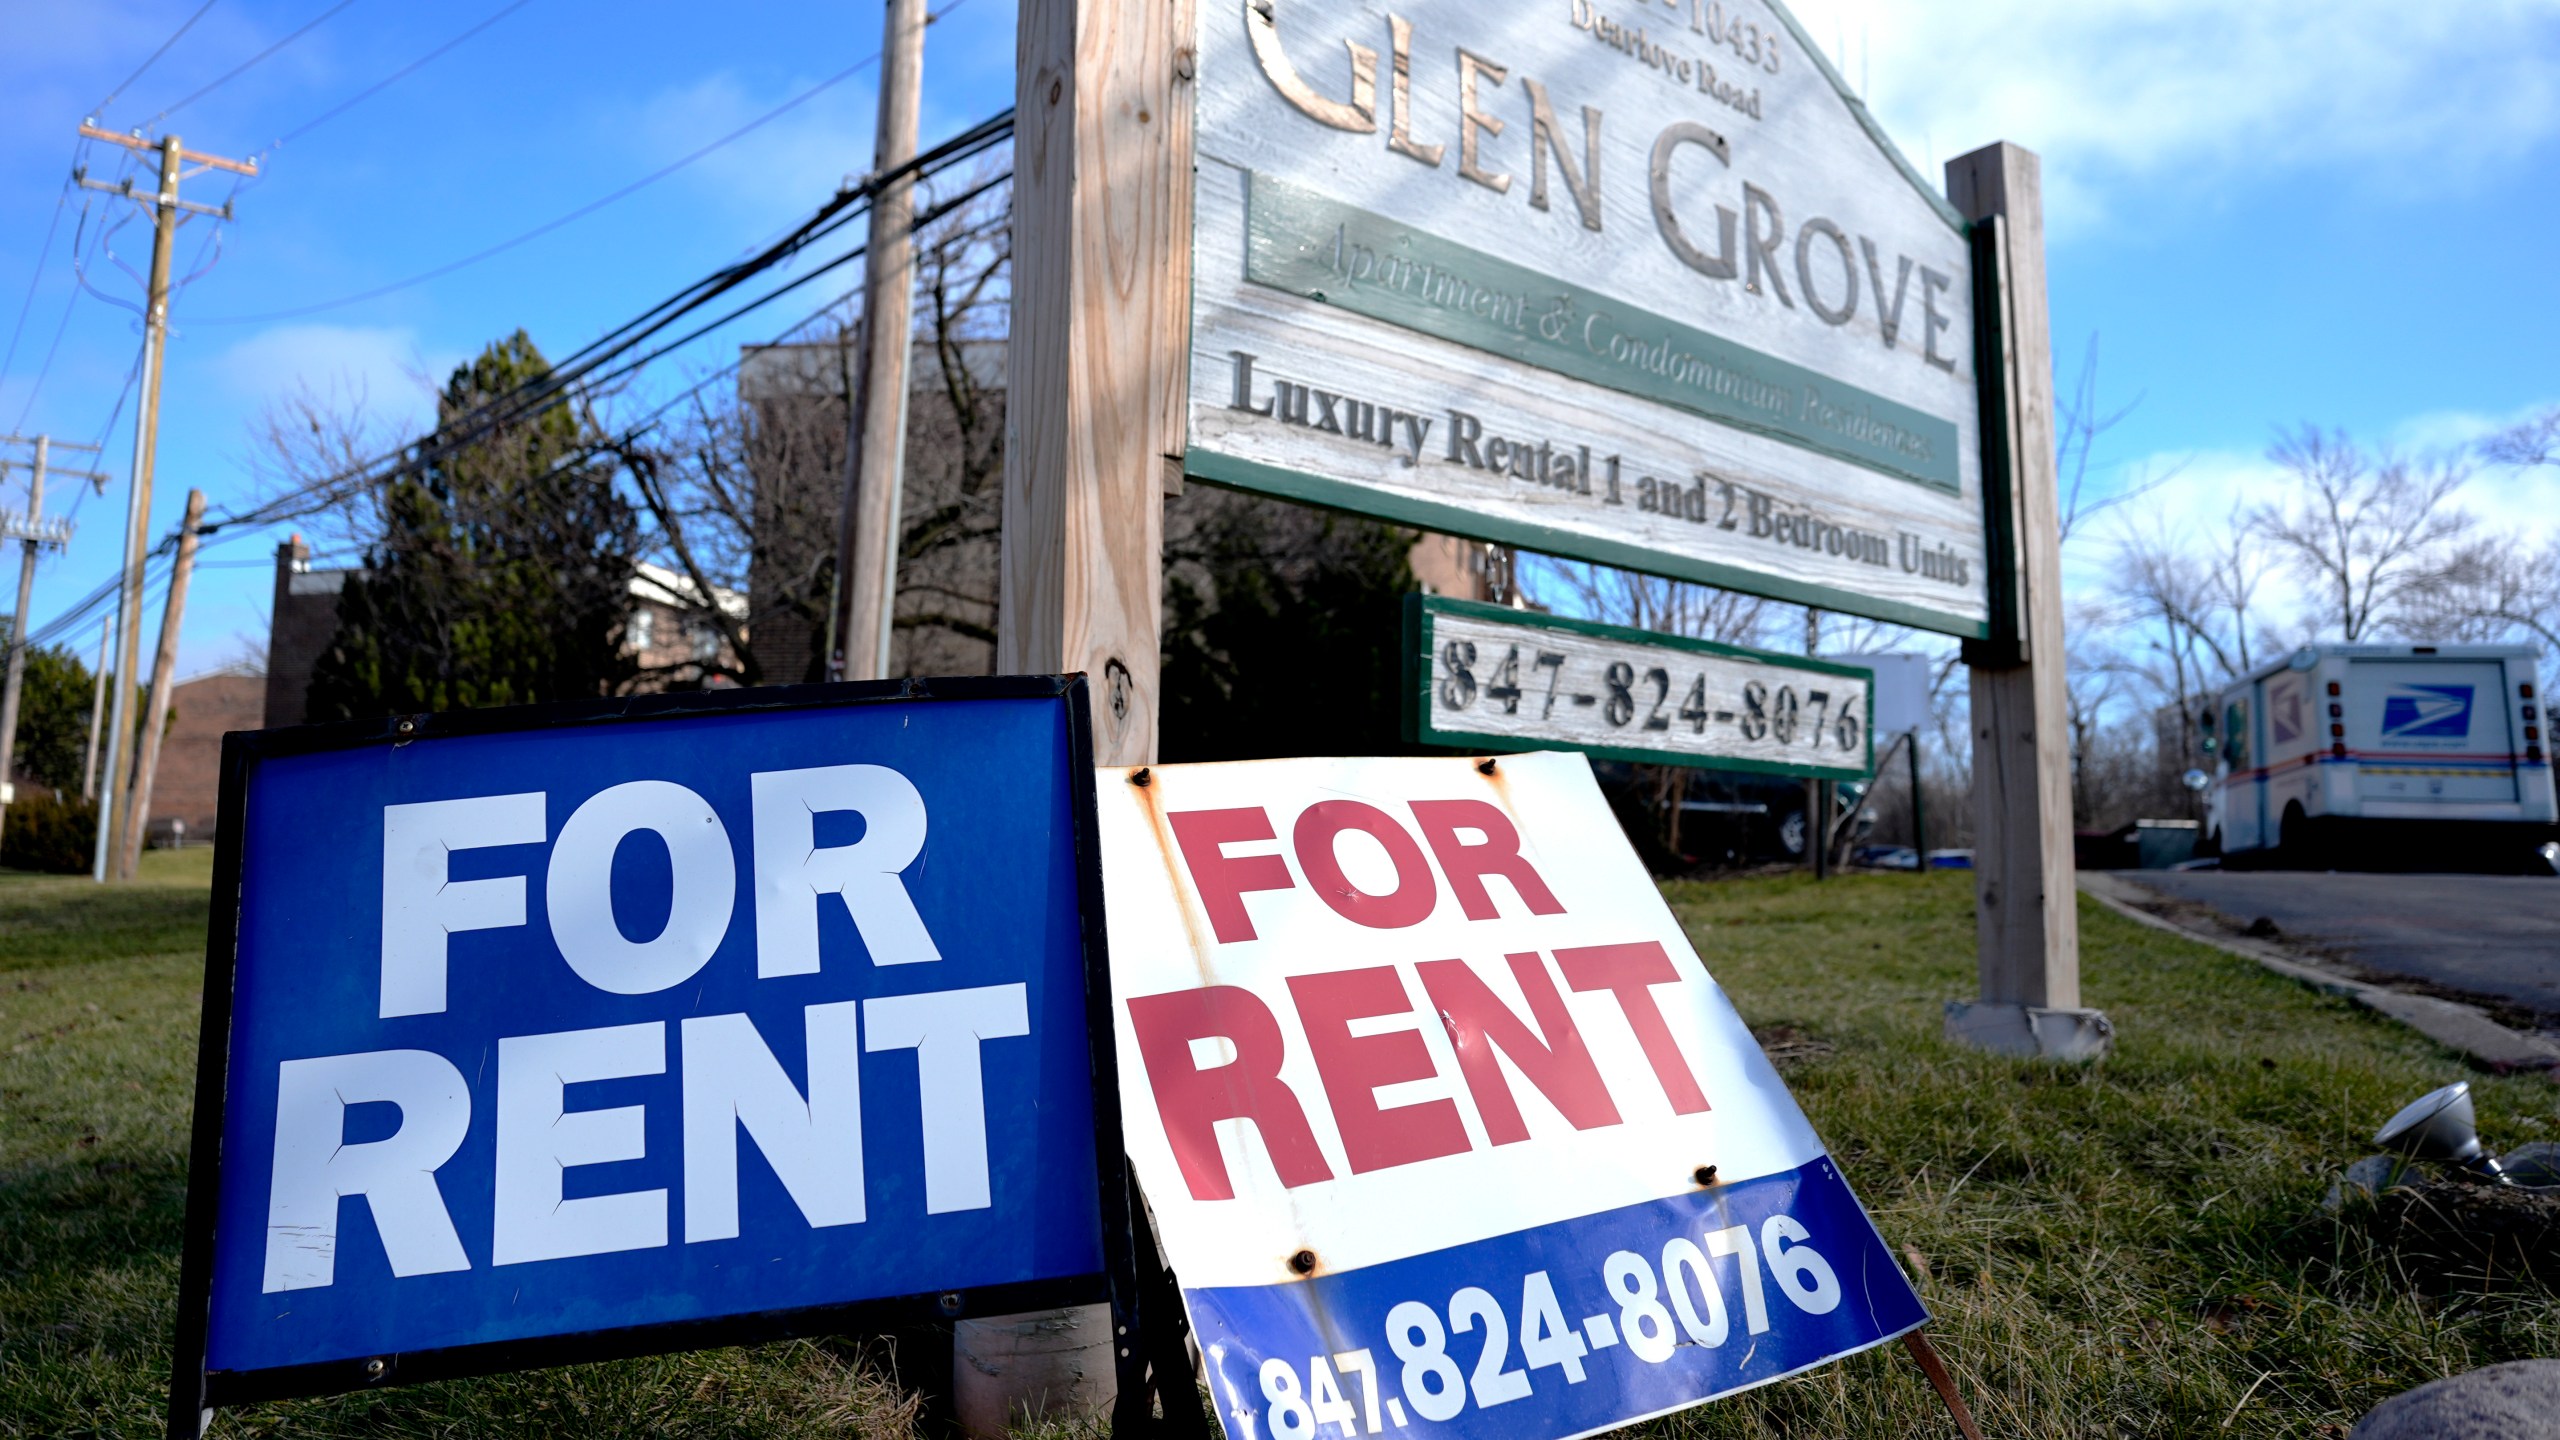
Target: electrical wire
point(923, 218)
point(69, 304)
point(387, 81)
point(100, 108)
point(44, 253)
point(548, 226)
point(79, 236)
point(331, 491)
point(579, 368)
point(132, 376)
point(245, 66)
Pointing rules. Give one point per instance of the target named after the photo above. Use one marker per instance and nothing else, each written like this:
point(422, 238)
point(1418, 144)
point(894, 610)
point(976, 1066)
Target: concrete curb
point(2449, 1023)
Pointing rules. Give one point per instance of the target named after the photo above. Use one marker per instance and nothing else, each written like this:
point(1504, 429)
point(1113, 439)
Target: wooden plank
point(1101, 284)
point(1094, 416)
point(2026, 921)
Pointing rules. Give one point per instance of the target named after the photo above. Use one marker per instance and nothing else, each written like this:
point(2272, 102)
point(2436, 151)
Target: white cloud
point(385, 370)
point(2409, 95)
point(2440, 430)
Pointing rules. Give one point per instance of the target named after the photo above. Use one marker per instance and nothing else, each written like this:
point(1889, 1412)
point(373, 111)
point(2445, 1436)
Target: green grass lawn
point(2135, 1249)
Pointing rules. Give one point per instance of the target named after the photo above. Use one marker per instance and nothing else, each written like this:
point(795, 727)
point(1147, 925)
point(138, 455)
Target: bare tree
point(2530, 442)
point(743, 492)
point(306, 446)
point(2370, 534)
point(2494, 589)
point(2080, 421)
point(1648, 602)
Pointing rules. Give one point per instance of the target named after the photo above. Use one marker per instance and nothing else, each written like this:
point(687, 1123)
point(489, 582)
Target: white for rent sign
point(1444, 1124)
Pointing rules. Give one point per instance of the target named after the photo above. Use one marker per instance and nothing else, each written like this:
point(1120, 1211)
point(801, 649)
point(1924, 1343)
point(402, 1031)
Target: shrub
point(47, 831)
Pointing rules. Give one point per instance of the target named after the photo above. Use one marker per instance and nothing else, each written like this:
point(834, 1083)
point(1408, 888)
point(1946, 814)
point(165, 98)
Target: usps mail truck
point(2383, 756)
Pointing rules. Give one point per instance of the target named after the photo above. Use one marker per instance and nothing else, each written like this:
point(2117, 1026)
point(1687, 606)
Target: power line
point(244, 66)
point(387, 81)
point(100, 109)
point(69, 304)
point(44, 253)
point(583, 367)
point(548, 226)
point(579, 367)
point(923, 218)
point(115, 412)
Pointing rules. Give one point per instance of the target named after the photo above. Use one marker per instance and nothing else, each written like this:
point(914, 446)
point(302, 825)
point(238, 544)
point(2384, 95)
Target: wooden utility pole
point(2028, 926)
point(1096, 404)
point(164, 672)
point(866, 599)
point(165, 208)
point(35, 532)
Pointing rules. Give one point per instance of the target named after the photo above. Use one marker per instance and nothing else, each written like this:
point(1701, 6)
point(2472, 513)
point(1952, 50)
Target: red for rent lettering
point(1473, 841)
point(1551, 1053)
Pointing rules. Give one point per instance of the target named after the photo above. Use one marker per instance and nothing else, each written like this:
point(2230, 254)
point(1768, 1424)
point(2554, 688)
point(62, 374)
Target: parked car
point(1727, 819)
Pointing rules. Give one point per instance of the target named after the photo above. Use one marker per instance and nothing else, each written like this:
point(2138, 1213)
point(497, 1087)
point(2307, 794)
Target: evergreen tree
point(502, 574)
point(1282, 631)
point(53, 716)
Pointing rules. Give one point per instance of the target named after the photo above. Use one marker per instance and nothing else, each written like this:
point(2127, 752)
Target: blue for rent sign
point(544, 1035)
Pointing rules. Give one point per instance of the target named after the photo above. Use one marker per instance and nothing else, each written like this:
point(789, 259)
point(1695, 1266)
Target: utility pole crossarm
point(51, 442)
point(125, 188)
point(249, 168)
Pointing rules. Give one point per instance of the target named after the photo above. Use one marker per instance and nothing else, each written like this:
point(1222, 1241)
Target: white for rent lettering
point(808, 1130)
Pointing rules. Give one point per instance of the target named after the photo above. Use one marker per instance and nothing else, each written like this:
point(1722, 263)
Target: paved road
point(2493, 935)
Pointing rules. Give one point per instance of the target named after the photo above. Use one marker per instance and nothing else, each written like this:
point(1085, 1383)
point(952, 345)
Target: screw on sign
point(1418, 1073)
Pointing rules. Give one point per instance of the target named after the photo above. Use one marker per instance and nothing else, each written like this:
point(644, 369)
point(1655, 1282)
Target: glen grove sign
point(1608, 279)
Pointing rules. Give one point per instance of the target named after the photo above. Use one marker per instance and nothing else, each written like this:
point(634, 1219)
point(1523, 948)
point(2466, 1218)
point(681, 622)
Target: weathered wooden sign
point(1614, 281)
point(1484, 675)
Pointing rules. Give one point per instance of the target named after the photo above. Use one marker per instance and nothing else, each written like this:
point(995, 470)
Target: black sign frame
point(195, 1392)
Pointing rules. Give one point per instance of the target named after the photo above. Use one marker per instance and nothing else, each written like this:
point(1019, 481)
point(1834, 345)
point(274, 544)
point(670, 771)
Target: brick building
point(304, 619)
point(186, 789)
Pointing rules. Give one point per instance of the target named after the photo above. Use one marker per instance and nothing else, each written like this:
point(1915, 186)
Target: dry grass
point(2134, 1249)
point(2131, 1250)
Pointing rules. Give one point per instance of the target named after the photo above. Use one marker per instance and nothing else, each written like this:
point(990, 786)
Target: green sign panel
point(1489, 677)
point(1341, 255)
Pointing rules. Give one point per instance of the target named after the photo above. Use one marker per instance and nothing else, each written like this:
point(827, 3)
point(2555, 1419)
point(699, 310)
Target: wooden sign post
point(1659, 295)
point(1101, 285)
point(2026, 920)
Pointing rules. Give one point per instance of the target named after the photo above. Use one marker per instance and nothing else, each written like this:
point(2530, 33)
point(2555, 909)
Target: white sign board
point(1485, 675)
point(1626, 283)
point(1445, 1128)
point(1902, 685)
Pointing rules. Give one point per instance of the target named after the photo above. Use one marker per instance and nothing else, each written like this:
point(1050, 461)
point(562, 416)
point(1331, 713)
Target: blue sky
point(2337, 211)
